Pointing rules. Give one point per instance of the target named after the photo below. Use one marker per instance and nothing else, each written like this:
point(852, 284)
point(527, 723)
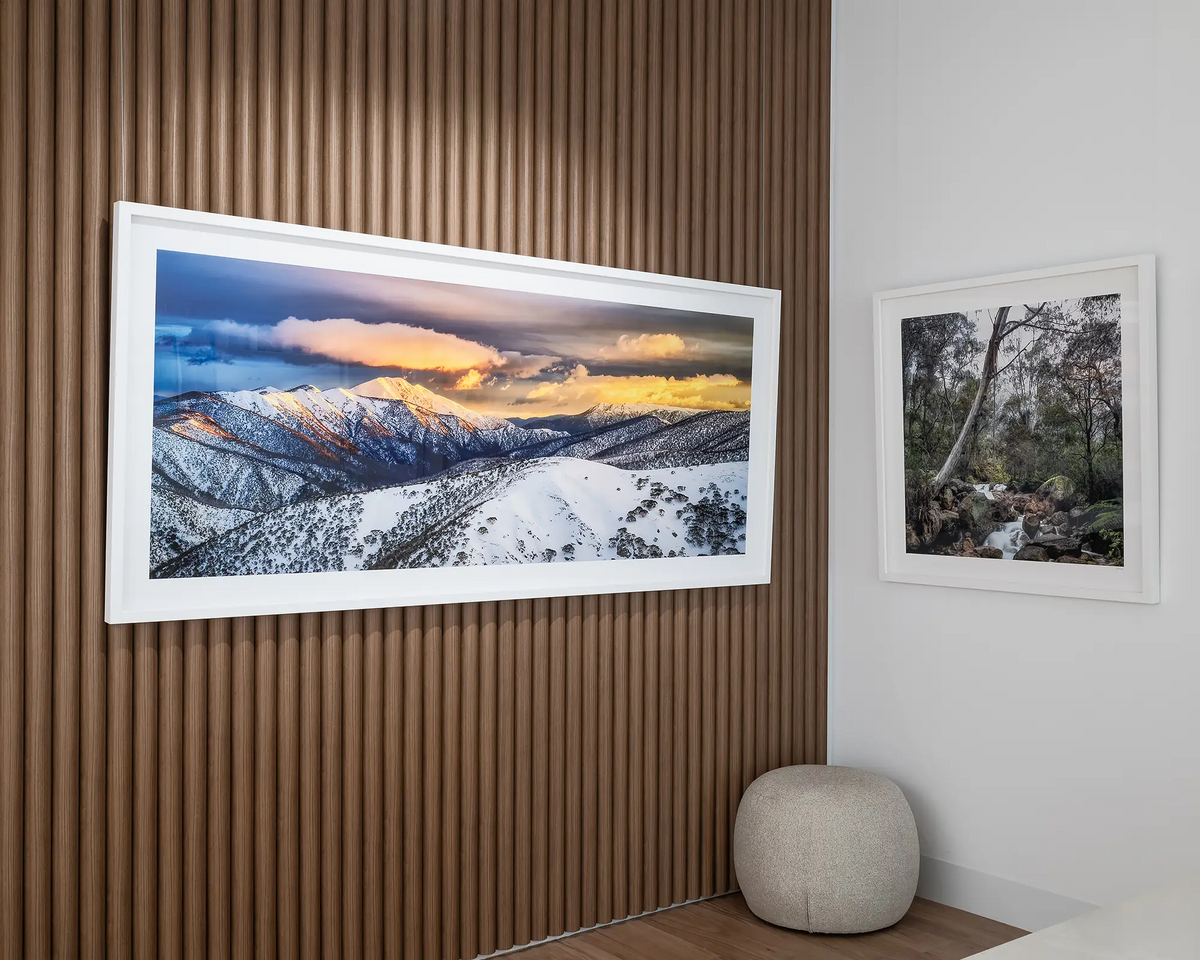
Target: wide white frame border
point(1138, 580)
point(131, 596)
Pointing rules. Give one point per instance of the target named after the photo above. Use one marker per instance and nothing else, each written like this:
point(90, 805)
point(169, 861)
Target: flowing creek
point(1008, 539)
point(987, 489)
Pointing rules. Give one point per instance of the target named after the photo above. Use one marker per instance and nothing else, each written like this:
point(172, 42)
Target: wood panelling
point(419, 782)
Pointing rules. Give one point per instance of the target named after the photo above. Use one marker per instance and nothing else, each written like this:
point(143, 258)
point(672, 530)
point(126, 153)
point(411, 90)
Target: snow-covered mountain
point(259, 449)
point(602, 415)
point(417, 397)
point(284, 471)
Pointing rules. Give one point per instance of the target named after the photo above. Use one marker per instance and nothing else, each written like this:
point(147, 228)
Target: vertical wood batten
point(170, 793)
point(310, 786)
point(145, 636)
point(471, 841)
point(430, 800)
point(522, 828)
point(37, 549)
point(373, 830)
point(13, 300)
point(145, 790)
point(588, 760)
point(666, 749)
point(505, 773)
point(573, 867)
point(792, 427)
point(412, 754)
point(68, 141)
point(241, 789)
point(220, 747)
point(488, 662)
point(195, 776)
point(372, 84)
point(393, 822)
point(451, 765)
point(239, 36)
point(266, 760)
point(469, 785)
point(817, 689)
point(332, 773)
point(652, 783)
point(539, 819)
point(119, 699)
point(352, 783)
point(556, 770)
point(620, 755)
point(288, 788)
point(93, 637)
point(172, 852)
point(632, 825)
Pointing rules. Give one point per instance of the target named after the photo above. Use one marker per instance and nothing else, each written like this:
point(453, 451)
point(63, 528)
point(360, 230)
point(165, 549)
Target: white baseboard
point(1029, 908)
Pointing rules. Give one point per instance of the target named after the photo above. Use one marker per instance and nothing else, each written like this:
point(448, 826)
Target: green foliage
point(991, 466)
point(1116, 545)
point(1106, 516)
point(1052, 406)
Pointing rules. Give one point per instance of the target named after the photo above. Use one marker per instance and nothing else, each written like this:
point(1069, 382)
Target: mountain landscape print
point(313, 420)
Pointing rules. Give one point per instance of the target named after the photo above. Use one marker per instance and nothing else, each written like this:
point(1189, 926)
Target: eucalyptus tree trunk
point(985, 381)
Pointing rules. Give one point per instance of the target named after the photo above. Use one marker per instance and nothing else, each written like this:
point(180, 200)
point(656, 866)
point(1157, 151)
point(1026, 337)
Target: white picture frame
point(132, 595)
point(1137, 579)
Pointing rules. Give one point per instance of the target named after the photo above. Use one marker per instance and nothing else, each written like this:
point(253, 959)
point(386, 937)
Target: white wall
point(1050, 747)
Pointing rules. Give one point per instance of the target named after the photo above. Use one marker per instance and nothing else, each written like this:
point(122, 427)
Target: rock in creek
point(1056, 547)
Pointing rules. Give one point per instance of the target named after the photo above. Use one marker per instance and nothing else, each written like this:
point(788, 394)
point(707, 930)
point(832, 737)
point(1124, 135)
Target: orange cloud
point(581, 390)
point(469, 380)
point(389, 345)
point(648, 346)
point(384, 344)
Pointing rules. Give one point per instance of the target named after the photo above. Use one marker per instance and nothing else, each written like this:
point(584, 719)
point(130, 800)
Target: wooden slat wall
point(432, 781)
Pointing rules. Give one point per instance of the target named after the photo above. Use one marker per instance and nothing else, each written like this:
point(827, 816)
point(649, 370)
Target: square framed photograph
point(1017, 432)
point(305, 419)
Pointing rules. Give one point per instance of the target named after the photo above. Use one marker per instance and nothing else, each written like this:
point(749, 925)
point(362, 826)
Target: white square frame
point(131, 595)
point(1138, 580)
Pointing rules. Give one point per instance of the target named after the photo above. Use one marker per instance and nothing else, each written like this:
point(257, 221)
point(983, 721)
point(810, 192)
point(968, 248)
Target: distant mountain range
point(224, 459)
point(604, 415)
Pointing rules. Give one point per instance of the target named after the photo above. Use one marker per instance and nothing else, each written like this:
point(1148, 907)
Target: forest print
point(1012, 432)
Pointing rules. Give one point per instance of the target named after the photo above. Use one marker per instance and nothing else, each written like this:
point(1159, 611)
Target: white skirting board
point(1029, 908)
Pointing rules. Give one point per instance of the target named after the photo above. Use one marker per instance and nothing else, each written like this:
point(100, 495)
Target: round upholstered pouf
point(826, 849)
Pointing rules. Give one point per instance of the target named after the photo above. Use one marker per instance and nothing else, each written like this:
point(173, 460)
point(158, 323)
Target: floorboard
point(725, 929)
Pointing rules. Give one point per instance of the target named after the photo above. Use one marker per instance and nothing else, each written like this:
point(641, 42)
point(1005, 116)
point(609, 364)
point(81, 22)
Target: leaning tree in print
point(1012, 432)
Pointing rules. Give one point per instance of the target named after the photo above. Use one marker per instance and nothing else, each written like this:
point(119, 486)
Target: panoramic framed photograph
point(306, 419)
point(1017, 431)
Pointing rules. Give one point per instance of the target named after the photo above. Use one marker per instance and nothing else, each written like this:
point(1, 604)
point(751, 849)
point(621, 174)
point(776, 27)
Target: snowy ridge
point(501, 511)
point(715, 437)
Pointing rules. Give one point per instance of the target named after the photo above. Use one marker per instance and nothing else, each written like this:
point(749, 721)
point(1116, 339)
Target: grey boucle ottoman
point(826, 849)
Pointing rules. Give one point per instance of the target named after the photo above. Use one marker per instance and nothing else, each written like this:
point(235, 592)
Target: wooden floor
point(724, 929)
